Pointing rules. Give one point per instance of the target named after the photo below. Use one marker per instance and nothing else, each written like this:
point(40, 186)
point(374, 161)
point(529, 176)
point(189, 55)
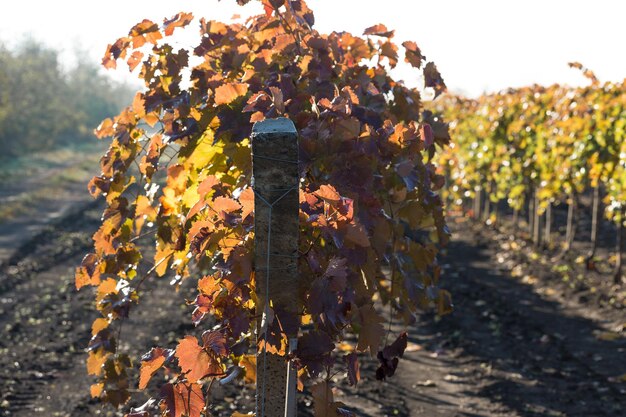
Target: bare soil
point(522, 341)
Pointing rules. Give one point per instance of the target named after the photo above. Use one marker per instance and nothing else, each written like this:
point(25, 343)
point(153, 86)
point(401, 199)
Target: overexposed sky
point(478, 45)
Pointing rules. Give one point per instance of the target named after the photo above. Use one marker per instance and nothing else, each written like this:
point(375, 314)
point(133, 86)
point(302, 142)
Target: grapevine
point(178, 172)
point(539, 146)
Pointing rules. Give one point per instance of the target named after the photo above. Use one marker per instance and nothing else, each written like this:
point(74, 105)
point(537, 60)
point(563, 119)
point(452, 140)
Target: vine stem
point(151, 270)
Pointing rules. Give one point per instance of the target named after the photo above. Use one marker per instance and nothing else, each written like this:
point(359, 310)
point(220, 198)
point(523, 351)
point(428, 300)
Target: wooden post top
point(278, 125)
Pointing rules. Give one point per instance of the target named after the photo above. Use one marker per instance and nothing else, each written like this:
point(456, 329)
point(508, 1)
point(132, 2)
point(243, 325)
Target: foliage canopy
point(178, 169)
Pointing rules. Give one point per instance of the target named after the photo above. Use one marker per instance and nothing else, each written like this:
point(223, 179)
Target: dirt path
point(40, 189)
point(507, 350)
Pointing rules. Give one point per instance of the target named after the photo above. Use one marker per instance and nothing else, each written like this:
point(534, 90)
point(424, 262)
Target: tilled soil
point(509, 349)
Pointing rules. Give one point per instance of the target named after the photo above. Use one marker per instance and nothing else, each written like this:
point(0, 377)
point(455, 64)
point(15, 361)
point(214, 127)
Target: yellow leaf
point(248, 362)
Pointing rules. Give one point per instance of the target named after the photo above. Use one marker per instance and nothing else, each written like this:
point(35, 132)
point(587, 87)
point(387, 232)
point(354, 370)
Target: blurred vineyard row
point(531, 149)
point(44, 104)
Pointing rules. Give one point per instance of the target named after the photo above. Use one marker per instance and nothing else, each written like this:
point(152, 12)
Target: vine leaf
point(328, 193)
point(151, 362)
point(379, 30)
point(432, 78)
point(227, 93)
point(178, 21)
point(388, 357)
point(354, 373)
point(183, 399)
point(371, 330)
point(325, 405)
point(412, 54)
point(195, 360)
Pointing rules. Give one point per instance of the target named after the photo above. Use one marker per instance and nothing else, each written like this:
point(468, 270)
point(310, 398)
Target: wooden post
point(536, 221)
point(595, 224)
point(275, 184)
point(547, 232)
point(619, 247)
point(477, 203)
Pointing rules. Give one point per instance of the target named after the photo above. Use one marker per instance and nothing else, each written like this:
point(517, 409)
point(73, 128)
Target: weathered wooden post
point(275, 184)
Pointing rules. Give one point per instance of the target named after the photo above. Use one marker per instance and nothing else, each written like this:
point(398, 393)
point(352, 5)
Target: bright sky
point(478, 45)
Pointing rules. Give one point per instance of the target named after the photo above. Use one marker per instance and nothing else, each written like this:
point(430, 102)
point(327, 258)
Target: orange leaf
point(246, 198)
point(225, 204)
point(328, 193)
point(178, 21)
point(183, 399)
point(192, 359)
point(96, 390)
point(209, 285)
point(96, 360)
point(99, 324)
point(207, 185)
point(248, 362)
point(134, 60)
point(150, 363)
point(227, 93)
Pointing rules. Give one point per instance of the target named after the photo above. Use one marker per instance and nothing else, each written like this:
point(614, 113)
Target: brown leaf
point(379, 30)
point(371, 330)
point(432, 78)
point(357, 234)
point(323, 399)
point(397, 347)
point(354, 373)
point(412, 54)
point(390, 50)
